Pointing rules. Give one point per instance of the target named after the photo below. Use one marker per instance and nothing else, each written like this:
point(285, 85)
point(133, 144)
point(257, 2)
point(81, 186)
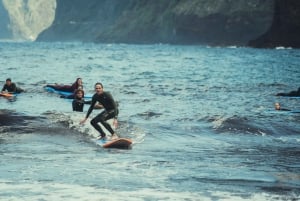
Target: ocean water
point(202, 121)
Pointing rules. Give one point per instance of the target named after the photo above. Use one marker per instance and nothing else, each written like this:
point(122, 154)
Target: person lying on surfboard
point(110, 111)
point(67, 88)
point(10, 87)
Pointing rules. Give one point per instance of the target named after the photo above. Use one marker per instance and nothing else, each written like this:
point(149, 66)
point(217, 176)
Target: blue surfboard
point(283, 112)
point(297, 97)
point(64, 93)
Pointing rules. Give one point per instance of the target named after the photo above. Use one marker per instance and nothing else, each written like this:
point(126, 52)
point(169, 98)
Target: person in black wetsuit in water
point(78, 102)
point(278, 107)
point(292, 93)
point(110, 111)
point(10, 87)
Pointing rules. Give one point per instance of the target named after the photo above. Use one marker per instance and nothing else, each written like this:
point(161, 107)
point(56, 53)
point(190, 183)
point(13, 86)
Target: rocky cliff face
point(260, 23)
point(285, 29)
point(77, 20)
point(4, 23)
point(213, 22)
point(27, 18)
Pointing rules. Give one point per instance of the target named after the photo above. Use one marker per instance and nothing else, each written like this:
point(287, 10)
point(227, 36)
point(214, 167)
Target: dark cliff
point(24, 19)
point(4, 23)
point(285, 29)
point(211, 22)
point(78, 20)
point(214, 22)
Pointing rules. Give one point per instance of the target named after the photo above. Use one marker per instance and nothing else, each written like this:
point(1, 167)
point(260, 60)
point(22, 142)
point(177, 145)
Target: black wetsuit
point(12, 88)
point(77, 104)
point(110, 111)
point(292, 93)
point(283, 109)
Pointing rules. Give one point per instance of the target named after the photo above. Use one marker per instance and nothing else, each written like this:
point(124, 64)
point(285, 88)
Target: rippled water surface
point(202, 121)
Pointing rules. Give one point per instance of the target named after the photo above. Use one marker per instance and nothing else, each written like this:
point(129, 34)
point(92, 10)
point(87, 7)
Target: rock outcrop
point(213, 22)
point(285, 29)
point(4, 23)
point(27, 18)
point(77, 20)
point(257, 23)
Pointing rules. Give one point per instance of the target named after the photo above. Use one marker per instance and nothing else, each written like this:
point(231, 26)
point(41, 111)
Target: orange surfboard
point(6, 95)
point(120, 143)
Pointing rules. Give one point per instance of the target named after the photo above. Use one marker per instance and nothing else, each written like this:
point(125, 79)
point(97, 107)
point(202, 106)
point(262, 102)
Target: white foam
point(24, 190)
point(283, 48)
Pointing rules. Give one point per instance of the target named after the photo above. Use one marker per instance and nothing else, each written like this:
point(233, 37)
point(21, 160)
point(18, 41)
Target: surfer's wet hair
point(99, 83)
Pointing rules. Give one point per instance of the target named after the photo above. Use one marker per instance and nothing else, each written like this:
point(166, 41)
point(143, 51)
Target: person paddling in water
point(10, 87)
point(110, 111)
point(78, 102)
point(278, 107)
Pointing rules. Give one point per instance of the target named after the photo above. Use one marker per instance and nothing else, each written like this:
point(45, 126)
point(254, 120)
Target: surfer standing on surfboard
point(110, 111)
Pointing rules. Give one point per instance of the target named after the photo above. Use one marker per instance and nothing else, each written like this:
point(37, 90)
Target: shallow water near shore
point(202, 121)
